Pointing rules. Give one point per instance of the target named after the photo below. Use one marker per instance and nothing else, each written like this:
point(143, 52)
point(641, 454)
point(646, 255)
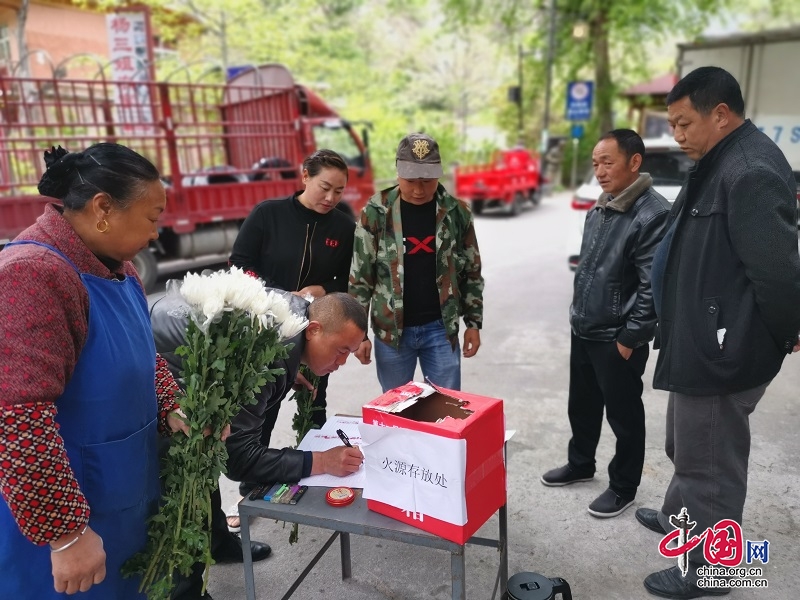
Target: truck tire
point(515, 206)
point(147, 268)
point(535, 196)
point(477, 207)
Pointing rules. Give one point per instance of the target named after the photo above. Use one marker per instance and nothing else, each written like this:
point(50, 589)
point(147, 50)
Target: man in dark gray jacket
point(337, 324)
point(613, 321)
point(336, 321)
point(726, 283)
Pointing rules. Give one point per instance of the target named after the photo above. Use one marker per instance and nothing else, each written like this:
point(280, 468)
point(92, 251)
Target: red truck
point(511, 179)
point(220, 148)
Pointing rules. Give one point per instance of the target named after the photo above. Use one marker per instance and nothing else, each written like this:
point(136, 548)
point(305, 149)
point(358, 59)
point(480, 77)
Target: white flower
point(264, 301)
point(292, 325)
point(205, 296)
point(210, 294)
point(244, 292)
point(278, 307)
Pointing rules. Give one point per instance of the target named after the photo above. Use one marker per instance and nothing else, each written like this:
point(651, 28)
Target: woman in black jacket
point(302, 245)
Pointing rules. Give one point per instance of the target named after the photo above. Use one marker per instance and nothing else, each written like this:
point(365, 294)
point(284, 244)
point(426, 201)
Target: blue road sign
point(577, 131)
point(579, 100)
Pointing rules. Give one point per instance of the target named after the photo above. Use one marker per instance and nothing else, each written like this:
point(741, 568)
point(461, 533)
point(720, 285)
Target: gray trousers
point(708, 442)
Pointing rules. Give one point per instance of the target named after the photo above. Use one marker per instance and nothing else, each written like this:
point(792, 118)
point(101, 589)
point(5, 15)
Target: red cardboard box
point(435, 458)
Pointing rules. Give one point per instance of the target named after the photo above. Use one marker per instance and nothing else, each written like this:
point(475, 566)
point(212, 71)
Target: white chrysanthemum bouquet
point(236, 329)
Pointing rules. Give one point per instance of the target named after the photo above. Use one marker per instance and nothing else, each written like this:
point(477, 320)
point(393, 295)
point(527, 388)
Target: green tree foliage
point(613, 55)
point(399, 65)
point(444, 66)
point(757, 15)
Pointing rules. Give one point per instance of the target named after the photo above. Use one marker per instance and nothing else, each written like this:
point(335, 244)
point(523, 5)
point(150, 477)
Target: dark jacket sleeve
point(641, 322)
point(246, 253)
point(248, 459)
point(761, 201)
point(169, 331)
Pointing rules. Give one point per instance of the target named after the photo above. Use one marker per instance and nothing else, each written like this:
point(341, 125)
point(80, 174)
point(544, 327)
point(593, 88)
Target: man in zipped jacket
point(417, 268)
point(726, 283)
point(613, 320)
point(336, 327)
point(337, 324)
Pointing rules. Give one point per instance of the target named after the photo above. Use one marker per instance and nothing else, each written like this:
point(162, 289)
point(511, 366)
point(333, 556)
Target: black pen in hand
point(343, 436)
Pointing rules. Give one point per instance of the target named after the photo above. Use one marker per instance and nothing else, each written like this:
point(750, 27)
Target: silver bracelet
point(72, 542)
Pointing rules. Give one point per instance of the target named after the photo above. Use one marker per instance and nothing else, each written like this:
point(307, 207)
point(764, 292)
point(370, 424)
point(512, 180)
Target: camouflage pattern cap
point(418, 157)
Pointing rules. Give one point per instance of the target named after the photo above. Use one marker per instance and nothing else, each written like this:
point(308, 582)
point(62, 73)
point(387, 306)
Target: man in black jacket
point(726, 284)
point(337, 324)
point(336, 327)
point(613, 320)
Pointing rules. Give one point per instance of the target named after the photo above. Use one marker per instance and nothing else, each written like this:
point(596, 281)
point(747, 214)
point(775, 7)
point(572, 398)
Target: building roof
point(659, 86)
point(767, 36)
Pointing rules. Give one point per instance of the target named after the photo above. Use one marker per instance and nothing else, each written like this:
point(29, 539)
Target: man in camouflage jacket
point(416, 261)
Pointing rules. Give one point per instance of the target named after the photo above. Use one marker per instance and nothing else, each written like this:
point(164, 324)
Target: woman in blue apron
point(80, 423)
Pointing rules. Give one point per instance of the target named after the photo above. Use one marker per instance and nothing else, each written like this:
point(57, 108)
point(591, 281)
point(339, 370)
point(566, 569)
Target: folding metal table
point(357, 519)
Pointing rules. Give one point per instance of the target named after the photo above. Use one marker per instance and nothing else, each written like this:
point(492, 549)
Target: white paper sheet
point(319, 440)
point(415, 471)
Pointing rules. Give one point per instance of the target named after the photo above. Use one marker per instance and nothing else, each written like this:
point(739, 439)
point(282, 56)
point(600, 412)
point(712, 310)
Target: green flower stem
point(224, 369)
point(302, 422)
point(149, 576)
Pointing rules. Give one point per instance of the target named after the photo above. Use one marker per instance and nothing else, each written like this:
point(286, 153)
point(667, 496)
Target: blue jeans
point(440, 362)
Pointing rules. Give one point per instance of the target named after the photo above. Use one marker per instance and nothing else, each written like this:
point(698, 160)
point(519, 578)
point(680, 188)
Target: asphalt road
point(523, 359)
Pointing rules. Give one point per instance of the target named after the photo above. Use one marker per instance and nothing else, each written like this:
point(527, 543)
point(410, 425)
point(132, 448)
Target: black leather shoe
point(649, 518)
point(259, 551)
point(231, 551)
point(669, 583)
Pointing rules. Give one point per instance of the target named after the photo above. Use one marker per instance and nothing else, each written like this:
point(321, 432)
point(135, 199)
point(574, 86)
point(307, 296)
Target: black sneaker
point(609, 504)
point(563, 476)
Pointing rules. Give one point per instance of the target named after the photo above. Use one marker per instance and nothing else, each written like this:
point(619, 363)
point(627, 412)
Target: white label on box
point(415, 471)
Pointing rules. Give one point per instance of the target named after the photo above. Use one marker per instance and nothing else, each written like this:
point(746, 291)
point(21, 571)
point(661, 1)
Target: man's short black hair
point(336, 309)
point(707, 87)
point(628, 140)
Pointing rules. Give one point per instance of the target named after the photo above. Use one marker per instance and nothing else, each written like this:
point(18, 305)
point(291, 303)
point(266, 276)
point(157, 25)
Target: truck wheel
point(477, 207)
point(146, 266)
point(515, 206)
point(535, 196)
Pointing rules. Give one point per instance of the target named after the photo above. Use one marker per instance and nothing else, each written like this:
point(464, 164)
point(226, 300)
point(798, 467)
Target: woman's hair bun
point(53, 155)
point(57, 179)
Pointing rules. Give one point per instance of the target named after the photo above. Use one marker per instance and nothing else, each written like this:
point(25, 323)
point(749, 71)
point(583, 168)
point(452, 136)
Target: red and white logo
point(723, 550)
